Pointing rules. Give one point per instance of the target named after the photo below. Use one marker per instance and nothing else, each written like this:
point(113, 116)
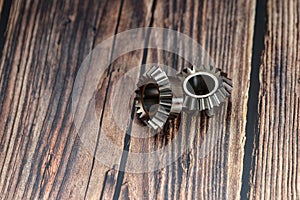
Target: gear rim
point(216, 84)
point(208, 102)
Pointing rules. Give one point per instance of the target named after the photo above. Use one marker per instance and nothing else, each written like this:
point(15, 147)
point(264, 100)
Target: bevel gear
point(158, 97)
point(204, 88)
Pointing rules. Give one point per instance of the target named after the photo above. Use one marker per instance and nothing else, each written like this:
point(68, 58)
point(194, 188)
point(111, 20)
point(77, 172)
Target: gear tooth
point(228, 81)
point(185, 71)
point(227, 87)
point(142, 81)
point(157, 72)
point(166, 99)
point(158, 122)
point(185, 102)
point(142, 115)
point(227, 84)
point(143, 78)
point(159, 76)
point(199, 68)
point(138, 104)
point(201, 104)
point(216, 99)
point(216, 70)
point(163, 82)
point(162, 117)
point(191, 103)
point(162, 76)
point(138, 110)
point(190, 70)
point(165, 91)
point(213, 101)
point(210, 113)
point(194, 104)
point(204, 104)
point(152, 125)
point(207, 67)
point(138, 85)
point(162, 111)
point(150, 71)
point(166, 96)
point(221, 95)
point(167, 106)
point(163, 114)
point(196, 69)
point(165, 88)
point(225, 91)
point(210, 103)
point(207, 104)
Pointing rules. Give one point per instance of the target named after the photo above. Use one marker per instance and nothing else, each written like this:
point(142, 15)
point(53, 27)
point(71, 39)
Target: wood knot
point(187, 161)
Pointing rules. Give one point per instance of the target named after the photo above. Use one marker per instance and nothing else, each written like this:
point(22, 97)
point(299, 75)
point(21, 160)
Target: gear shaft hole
point(150, 100)
point(200, 85)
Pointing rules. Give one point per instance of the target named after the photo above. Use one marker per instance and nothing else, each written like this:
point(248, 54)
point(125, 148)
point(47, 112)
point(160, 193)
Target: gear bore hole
point(150, 98)
point(201, 85)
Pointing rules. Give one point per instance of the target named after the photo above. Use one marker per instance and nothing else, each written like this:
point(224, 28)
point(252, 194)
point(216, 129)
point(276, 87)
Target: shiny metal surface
point(204, 88)
point(158, 97)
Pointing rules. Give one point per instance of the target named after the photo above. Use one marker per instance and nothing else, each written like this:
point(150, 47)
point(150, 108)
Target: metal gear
point(204, 88)
point(158, 98)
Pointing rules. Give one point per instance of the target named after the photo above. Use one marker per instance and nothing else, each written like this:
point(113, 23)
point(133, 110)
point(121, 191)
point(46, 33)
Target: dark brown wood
point(228, 40)
point(46, 42)
point(41, 155)
point(276, 169)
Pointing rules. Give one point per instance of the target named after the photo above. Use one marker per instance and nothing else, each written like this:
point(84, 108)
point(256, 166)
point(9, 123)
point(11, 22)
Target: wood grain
point(43, 46)
point(218, 174)
point(276, 169)
point(46, 43)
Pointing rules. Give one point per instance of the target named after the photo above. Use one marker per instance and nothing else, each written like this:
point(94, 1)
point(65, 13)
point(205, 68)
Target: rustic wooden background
point(42, 45)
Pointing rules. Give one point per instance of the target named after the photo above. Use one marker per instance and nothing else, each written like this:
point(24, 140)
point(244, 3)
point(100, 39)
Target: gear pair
point(160, 97)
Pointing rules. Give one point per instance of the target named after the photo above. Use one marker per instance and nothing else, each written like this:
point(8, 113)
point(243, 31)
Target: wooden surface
point(257, 154)
point(276, 170)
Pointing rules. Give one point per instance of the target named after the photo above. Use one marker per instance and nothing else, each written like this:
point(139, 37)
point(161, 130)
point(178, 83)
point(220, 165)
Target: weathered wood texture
point(225, 30)
point(41, 155)
point(276, 171)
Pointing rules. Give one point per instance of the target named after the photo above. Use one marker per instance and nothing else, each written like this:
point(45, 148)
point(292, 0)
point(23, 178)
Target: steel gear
point(204, 88)
point(158, 98)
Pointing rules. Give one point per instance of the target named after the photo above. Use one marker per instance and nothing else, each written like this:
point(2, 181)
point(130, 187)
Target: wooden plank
point(225, 30)
point(129, 19)
point(276, 172)
point(41, 154)
point(47, 41)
